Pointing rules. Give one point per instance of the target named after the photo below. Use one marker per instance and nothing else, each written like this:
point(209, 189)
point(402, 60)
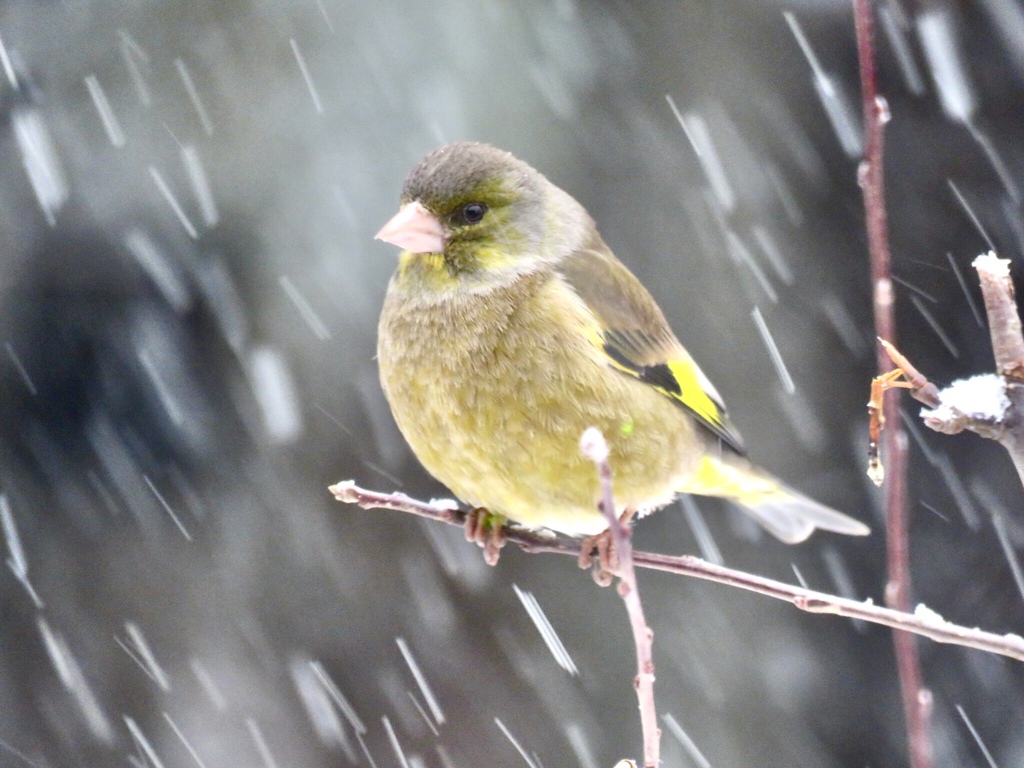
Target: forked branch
point(991, 405)
point(922, 622)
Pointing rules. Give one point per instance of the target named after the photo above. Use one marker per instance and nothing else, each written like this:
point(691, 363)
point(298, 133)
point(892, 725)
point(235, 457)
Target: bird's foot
point(603, 567)
point(606, 565)
point(488, 530)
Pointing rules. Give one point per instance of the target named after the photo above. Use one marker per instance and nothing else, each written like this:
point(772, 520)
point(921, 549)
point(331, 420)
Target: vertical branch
point(594, 447)
point(916, 699)
point(1007, 347)
point(1003, 318)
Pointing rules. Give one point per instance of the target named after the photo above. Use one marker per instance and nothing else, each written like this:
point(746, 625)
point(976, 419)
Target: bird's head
point(474, 215)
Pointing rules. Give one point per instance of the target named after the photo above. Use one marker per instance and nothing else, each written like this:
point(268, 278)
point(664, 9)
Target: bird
point(509, 328)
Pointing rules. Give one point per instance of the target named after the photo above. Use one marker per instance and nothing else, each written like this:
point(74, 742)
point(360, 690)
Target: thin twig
point(994, 403)
point(903, 376)
point(949, 411)
point(922, 622)
point(916, 700)
point(920, 388)
point(595, 448)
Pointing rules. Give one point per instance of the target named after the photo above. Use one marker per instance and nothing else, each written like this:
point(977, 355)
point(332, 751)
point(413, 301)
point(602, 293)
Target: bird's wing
point(637, 339)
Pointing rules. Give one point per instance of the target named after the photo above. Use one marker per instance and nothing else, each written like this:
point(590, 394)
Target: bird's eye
point(474, 212)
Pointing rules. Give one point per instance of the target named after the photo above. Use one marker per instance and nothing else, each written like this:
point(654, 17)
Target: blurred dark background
point(189, 298)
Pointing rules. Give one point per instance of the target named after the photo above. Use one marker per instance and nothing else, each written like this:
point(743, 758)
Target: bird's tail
point(786, 514)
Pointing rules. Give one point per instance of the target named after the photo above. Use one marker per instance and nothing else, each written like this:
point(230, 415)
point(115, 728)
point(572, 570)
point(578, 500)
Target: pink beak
point(414, 229)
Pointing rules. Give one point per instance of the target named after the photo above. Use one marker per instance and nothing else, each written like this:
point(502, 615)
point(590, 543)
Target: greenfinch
point(509, 328)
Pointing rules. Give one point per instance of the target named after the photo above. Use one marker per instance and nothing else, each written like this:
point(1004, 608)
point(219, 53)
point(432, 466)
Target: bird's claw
point(606, 564)
point(488, 531)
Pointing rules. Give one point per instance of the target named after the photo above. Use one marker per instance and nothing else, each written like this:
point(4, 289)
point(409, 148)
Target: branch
point(1003, 318)
point(923, 621)
point(1008, 348)
point(903, 376)
point(594, 447)
point(920, 388)
point(991, 405)
point(916, 698)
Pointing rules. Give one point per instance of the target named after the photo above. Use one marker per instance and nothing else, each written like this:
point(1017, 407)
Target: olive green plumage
point(510, 327)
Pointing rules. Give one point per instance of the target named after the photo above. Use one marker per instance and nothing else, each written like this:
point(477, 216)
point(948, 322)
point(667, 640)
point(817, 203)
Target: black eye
point(474, 212)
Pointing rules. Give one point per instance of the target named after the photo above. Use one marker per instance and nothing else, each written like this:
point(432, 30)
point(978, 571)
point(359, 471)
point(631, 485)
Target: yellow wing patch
point(681, 380)
point(691, 393)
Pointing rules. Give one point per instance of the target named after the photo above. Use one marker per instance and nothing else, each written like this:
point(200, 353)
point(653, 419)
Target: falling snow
point(190, 295)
